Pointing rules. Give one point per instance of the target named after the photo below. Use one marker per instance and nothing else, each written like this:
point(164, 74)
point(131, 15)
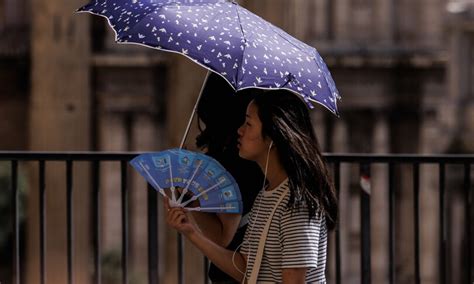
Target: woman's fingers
point(174, 214)
point(176, 217)
point(181, 218)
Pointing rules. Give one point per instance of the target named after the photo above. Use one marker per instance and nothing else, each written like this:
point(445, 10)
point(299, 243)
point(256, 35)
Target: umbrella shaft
point(193, 113)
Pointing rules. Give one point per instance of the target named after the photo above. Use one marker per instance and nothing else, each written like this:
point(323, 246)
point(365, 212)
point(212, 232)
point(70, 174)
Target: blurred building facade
point(404, 69)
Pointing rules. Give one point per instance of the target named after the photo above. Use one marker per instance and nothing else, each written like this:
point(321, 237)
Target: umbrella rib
point(245, 44)
point(278, 32)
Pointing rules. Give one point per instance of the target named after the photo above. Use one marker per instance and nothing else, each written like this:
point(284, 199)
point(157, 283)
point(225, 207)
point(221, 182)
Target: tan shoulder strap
point(261, 245)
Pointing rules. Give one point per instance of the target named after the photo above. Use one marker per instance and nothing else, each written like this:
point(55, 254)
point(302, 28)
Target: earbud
point(271, 144)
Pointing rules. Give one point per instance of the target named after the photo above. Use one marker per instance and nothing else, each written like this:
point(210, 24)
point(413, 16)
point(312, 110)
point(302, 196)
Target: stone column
point(112, 137)
point(147, 136)
point(60, 121)
point(297, 18)
point(386, 28)
point(458, 104)
point(461, 99)
point(429, 206)
point(342, 28)
point(379, 203)
point(430, 31)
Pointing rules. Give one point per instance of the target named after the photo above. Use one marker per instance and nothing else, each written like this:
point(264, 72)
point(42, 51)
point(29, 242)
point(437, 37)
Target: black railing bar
point(42, 220)
point(391, 223)
point(442, 225)
point(468, 222)
point(337, 185)
point(152, 235)
point(123, 166)
point(206, 268)
point(69, 209)
point(15, 222)
point(416, 212)
point(180, 259)
point(97, 224)
point(330, 157)
point(365, 224)
point(73, 156)
point(398, 158)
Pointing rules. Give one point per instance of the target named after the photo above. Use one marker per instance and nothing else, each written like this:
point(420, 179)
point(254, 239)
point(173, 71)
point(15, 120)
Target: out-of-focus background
point(404, 69)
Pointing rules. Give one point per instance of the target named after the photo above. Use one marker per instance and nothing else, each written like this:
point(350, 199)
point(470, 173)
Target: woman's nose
point(239, 131)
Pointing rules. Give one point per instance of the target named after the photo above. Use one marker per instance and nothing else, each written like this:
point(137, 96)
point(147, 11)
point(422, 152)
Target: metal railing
point(365, 161)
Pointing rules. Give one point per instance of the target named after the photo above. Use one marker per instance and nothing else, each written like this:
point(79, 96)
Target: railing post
point(124, 201)
point(337, 185)
point(15, 222)
point(69, 220)
point(365, 222)
point(391, 223)
point(468, 230)
point(42, 216)
point(97, 224)
point(206, 268)
point(416, 212)
point(442, 226)
point(180, 259)
point(152, 236)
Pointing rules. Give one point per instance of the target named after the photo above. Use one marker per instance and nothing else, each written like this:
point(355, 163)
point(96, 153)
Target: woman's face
point(252, 146)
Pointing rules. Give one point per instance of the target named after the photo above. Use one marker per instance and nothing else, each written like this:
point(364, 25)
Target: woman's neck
point(276, 174)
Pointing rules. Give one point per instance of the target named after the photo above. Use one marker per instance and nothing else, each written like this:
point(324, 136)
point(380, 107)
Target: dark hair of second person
point(220, 112)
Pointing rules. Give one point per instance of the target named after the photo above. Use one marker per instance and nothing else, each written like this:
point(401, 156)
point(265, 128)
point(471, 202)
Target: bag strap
point(261, 244)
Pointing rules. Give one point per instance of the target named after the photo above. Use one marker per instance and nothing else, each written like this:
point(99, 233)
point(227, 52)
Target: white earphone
point(257, 212)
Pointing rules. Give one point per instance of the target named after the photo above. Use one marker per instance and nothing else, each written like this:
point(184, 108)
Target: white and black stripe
point(292, 240)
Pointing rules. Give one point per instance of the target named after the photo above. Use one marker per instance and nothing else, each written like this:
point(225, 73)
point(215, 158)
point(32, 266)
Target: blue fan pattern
point(199, 178)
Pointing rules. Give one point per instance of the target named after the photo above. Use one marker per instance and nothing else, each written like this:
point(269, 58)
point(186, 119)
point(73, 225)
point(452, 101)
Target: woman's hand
point(176, 217)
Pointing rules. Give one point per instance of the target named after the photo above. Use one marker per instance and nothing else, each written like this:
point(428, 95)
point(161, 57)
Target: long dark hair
point(285, 119)
point(222, 111)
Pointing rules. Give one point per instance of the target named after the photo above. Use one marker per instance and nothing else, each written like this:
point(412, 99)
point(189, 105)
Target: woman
point(292, 213)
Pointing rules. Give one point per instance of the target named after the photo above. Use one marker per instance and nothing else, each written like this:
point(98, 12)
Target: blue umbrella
point(220, 35)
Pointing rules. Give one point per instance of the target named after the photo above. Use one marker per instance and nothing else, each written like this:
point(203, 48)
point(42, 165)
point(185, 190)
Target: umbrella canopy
point(225, 38)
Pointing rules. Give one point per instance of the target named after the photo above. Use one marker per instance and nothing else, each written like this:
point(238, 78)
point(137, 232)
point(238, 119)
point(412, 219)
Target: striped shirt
point(292, 240)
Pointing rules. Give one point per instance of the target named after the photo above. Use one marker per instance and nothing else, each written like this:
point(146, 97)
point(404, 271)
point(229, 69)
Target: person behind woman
point(298, 202)
point(222, 111)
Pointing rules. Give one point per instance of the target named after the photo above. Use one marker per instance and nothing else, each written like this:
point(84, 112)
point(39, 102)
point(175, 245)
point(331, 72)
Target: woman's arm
point(293, 275)
point(219, 228)
point(221, 257)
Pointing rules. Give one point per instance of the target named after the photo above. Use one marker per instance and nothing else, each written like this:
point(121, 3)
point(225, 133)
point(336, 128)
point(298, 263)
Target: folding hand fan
point(188, 178)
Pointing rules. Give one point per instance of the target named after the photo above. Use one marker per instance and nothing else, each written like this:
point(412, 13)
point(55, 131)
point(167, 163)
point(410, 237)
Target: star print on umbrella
point(225, 38)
